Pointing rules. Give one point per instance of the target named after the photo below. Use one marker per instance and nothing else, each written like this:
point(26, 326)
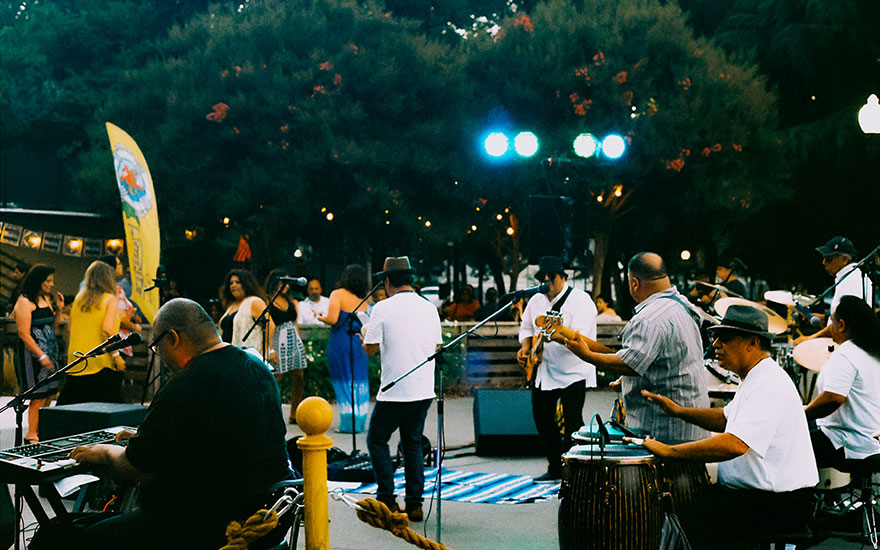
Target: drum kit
point(809, 355)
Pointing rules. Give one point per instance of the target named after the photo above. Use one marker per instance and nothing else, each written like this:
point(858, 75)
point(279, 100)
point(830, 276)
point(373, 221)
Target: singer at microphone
point(543, 288)
point(560, 375)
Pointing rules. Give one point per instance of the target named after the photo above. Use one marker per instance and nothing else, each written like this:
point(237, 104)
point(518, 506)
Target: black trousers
point(544, 413)
point(826, 455)
point(734, 518)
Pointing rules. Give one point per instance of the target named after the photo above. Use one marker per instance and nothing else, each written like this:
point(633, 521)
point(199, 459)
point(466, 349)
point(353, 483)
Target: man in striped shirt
point(662, 353)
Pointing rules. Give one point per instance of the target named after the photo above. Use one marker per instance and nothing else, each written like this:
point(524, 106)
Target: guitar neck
point(559, 332)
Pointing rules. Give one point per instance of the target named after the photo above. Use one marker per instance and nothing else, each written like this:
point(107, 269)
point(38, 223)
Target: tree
point(286, 112)
point(698, 123)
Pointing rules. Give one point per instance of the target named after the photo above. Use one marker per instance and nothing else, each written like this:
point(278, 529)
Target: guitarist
point(561, 375)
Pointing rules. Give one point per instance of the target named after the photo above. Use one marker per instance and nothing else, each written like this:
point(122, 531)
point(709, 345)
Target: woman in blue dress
point(345, 355)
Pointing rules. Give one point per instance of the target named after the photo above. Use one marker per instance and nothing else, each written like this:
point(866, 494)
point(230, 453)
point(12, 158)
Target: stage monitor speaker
point(87, 417)
point(503, 423)
point(549, 229)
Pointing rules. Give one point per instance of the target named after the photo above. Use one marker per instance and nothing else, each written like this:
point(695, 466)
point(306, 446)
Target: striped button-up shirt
point(662, 343)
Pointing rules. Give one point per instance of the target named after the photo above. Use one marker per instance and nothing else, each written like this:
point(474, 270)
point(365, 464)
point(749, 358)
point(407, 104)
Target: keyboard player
point(212, 444)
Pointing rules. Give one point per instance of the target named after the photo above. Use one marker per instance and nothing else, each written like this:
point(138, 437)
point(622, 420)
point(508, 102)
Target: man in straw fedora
point(766, 467)
point(405, 330)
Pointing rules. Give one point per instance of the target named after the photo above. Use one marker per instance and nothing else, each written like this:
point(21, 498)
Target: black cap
point(837, 245)
point(549, 264)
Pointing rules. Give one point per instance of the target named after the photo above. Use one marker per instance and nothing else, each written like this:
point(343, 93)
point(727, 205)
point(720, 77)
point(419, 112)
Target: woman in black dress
point(37, 314)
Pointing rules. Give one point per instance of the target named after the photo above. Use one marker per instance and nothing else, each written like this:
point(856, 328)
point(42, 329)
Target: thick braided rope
point(378, 515)
point(239, 536)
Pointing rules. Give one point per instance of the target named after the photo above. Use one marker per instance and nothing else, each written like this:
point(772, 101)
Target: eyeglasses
point(726, 337)
point(152, 345)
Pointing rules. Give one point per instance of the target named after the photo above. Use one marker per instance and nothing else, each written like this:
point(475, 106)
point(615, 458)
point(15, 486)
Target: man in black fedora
point(766, 467)
point(561, 376)
point(838, 259)
point(405, 330)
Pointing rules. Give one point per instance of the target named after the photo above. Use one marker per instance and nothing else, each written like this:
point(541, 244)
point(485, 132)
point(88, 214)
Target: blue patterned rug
point(476, 487)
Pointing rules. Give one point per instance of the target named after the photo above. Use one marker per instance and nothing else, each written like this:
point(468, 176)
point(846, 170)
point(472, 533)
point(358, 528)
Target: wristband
point(40, 360)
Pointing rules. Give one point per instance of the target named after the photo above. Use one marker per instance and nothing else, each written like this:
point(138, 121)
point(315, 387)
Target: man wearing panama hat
point(405, 329)
point(766, 465)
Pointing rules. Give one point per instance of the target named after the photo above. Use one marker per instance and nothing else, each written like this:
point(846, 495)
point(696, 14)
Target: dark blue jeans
point(409, 418)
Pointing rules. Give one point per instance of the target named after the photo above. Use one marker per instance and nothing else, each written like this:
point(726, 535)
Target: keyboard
point(48, 460)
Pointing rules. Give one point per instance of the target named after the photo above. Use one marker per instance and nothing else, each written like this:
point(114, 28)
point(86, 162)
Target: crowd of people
point(767, 442)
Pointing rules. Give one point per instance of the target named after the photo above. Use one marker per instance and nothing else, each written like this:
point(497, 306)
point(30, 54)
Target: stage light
point(585, 145)
point(869, 115)
point(525, 144)
point(113, 246)
point(613, 146)
point(496, 144)
point(685, 255)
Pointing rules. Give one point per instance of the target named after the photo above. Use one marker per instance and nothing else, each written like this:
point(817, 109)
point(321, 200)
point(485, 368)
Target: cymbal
point(812, 354)
point(786, 298)
point(777, 324)
point(723, 289)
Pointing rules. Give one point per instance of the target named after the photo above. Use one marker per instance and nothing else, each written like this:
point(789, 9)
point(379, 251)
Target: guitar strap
point(557, 307)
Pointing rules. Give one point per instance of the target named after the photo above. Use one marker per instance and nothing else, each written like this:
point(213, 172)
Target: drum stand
point(438, 355)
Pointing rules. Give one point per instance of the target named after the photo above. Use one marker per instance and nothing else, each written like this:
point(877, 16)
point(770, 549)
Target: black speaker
point(549, 229)
point(503, 423)
point(87, 417)
point(7, 518)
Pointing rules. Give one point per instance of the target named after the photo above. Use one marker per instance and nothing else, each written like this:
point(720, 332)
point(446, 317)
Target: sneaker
point(415, 513)
point(549, 477)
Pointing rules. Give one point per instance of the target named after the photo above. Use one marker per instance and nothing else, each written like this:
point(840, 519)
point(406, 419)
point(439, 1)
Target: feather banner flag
point(139, 217)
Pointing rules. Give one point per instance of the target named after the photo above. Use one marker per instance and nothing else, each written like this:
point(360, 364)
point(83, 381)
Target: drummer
point(767, 469)
point(847, 409)
point(726, 277)
point(662, 352)
point(837, 259)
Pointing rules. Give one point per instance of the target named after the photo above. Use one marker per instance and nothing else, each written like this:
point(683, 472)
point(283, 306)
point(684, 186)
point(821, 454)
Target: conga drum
point(685, 481)
point(610, 500)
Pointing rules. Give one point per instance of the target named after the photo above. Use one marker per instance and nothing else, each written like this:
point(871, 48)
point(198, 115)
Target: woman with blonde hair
point(94, 317)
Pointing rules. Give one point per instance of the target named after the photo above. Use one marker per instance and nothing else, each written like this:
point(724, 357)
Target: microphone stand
point(437, 355)
point(350, 331)
point(859, 265)
point(263, 319)
point(17, 403)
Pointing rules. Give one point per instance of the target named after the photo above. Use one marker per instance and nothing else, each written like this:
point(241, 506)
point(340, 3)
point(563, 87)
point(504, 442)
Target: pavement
point(461, 525)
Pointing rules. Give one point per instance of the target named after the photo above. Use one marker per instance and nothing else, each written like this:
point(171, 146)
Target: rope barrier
point(239, 536)
point(375, 513)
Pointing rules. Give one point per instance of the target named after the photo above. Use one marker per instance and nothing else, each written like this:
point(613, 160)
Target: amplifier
point(503, 423)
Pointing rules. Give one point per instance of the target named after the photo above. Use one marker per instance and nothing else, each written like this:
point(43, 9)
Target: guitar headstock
point(548, 323)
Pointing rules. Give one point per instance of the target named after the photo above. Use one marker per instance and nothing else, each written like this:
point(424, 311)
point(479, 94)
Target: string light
point(510, 231)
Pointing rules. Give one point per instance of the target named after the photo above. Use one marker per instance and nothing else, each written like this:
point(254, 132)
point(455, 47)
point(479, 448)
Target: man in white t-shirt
point(313, 306)
point(405, 329)
point(766, 465)
point(847, 409)
point(837, 259)
point(561, 375)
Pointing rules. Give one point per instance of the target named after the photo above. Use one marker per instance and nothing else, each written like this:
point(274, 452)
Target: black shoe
point(549, 477)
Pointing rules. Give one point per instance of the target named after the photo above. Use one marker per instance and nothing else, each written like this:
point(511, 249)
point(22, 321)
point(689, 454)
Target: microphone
point(815, 321)
point(543, 288)
point(301, 281)
point(132, 339)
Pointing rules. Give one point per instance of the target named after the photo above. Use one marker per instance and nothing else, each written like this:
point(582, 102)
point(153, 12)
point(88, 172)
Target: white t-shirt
point(767, 415)
point(407, 329)
point(852, 283)
point(309, 311)
point(561, 368)
point(854, 374)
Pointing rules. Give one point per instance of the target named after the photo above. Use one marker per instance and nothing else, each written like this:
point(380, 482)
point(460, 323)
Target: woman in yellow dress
point(94, 317)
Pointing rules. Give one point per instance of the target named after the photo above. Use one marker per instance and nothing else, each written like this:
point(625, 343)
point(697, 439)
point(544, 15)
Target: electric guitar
point(553, 329)
point(545, 324)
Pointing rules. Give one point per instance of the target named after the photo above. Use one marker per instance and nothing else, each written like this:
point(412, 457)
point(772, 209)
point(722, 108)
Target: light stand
point(437, 355)
point(17, 403)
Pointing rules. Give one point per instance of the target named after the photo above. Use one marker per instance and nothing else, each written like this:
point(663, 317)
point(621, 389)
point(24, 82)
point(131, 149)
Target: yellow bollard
point(314, 416)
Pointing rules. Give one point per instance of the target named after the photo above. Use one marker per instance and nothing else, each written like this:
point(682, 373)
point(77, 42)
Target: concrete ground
point(464, 525)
